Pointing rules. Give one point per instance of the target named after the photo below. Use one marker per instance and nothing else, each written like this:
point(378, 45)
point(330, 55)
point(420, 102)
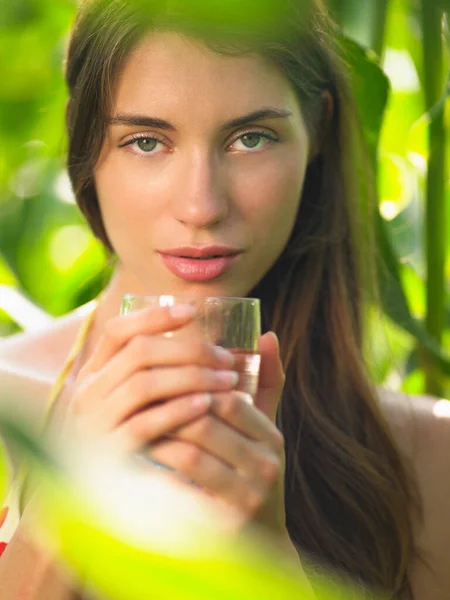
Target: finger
point(233, 408)
point(144, 352)
point(210, 473)
point(155, 385)
point(272, 373)
point(152, 424)
point(121, 329)
point(251, 459)
point(271, 377)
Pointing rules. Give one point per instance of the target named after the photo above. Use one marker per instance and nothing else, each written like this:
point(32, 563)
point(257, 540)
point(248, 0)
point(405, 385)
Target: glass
point(233, 323)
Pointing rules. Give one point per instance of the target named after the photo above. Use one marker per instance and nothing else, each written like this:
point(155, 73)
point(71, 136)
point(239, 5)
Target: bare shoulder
point(419, 422)
point(43, 352)
point(31, 362)
point(421, 427)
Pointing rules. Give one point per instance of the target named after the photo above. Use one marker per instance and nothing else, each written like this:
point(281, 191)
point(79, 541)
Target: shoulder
point(416, 421)
point(31, 362)
point(45, 350)
point(421, 428)
point(420, 424)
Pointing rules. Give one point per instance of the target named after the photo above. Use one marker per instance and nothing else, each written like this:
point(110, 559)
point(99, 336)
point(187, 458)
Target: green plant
point(412, 223)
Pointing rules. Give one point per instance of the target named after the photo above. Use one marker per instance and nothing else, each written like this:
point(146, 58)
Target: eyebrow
point(144, 121)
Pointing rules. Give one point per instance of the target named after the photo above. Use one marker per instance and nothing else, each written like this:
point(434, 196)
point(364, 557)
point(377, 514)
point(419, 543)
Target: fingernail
point(275, 337)
point(180, 311)
point(245, 397)
point(202, 401)
point(224, 356)
point(227, 378)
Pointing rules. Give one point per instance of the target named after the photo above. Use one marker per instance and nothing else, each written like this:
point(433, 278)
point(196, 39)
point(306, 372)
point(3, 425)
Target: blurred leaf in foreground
point(4, 473)
point(125, 532)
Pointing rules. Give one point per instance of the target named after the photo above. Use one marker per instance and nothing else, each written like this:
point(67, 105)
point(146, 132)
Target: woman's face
point(203, 150)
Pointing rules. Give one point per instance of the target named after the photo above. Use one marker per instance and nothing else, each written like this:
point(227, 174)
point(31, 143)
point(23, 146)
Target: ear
point(326, 115)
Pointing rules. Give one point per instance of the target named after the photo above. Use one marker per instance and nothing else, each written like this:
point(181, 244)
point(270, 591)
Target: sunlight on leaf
point(418, 137)
point(414, 383)
point(67, 245)
point(399, 67)
point(415, 290)
point(395, 185)
point(7, 277)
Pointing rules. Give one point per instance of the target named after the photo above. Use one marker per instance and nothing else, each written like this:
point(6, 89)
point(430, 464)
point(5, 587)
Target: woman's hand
point(235, 452)
point(121, 392)
point(140, 388)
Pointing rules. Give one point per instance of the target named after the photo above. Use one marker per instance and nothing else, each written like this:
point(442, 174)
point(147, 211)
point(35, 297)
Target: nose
point(201, 200)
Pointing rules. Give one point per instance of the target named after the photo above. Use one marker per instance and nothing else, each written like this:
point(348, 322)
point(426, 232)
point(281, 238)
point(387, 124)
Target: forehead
point(168, 71)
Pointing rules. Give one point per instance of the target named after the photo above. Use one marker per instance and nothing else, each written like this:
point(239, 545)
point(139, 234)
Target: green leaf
point(79, 524)
point(7, 277)
point(371, 88)
point(393, 297)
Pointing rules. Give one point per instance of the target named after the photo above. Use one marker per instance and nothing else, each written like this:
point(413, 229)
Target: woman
point(195, 133)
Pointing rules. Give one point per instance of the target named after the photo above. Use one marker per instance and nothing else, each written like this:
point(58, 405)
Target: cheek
point(126, 192)
point(271, 193)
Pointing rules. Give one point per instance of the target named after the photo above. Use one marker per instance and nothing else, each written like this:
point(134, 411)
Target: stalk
point(436, 227)
point(378, 27)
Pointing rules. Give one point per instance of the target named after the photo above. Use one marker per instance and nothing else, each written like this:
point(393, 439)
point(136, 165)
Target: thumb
point(271, 375)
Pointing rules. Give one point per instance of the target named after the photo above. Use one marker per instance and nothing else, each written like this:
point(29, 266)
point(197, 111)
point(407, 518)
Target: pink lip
point(201, 251)
point(197, 269)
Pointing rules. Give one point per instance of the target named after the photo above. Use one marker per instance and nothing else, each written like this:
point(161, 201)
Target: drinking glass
point(233, 323)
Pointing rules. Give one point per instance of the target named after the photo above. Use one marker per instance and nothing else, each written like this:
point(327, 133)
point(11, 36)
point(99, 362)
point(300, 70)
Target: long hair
point(348, 493)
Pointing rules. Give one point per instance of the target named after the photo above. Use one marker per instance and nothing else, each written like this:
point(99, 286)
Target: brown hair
point(348, 494)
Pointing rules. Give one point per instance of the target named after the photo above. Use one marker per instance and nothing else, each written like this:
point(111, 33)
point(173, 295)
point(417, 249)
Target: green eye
point(256, 140)
point(147, 144)
point(251, 140)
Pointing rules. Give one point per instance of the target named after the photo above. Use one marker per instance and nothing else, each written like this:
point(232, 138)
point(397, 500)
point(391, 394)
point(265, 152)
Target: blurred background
point(399, 62)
